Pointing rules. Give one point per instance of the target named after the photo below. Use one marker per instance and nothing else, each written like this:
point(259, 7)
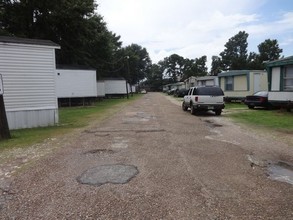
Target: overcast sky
point(193, 28)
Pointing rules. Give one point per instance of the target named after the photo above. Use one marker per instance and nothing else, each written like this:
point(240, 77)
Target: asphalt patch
point(115, 174)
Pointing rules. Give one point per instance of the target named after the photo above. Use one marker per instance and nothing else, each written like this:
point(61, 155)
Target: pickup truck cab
point(204, 99)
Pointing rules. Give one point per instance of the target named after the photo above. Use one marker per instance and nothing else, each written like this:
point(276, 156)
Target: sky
point(194, 28)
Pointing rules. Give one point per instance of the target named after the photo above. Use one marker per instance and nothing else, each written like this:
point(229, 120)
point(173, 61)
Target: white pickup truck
point(204, 99)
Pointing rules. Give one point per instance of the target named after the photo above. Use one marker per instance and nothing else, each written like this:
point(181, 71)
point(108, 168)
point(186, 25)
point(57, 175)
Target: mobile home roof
point(17, 40)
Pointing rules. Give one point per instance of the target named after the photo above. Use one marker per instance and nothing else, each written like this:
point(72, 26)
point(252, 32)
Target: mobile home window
point(229, 83)
point(288, 78)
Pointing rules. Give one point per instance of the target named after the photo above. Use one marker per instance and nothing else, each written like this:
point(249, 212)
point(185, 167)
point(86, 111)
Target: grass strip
point(70, 118)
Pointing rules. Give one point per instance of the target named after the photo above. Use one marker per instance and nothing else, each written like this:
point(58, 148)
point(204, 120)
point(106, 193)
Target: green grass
point(69, 119)
point(234, 105)
point(278, 120)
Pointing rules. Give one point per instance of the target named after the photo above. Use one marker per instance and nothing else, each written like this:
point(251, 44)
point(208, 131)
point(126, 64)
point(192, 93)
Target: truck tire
point(184, 107)
point(218, 112)
point(192, 109)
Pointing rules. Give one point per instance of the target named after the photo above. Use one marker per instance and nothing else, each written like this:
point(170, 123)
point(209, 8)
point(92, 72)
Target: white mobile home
point(28, 70)
point(131, 88)
point(101, 88)
point(190, 82)
point(115, 87)
point(75, 83)
point(207, 81)
point(280, 78)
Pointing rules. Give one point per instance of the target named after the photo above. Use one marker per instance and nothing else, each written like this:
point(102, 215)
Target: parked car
point(143, 91)
point(259, 99)
point(171, 92)
point(204, 99)
point(181, 92)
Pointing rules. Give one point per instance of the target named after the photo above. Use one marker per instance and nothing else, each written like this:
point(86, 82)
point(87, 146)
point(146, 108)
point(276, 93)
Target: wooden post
point(4, 129)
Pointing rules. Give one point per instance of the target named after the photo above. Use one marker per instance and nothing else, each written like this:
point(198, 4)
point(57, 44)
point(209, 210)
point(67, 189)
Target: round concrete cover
point(116, 174)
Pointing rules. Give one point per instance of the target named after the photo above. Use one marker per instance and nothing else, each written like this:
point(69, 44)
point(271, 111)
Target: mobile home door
point(256, 82)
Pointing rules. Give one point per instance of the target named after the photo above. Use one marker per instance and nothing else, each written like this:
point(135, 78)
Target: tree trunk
point(4, 129)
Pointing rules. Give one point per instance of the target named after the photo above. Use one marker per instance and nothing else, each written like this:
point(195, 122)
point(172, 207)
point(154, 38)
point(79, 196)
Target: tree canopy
point(73, 24)
point(235, 56)
point(85, 40)
point(82, 34)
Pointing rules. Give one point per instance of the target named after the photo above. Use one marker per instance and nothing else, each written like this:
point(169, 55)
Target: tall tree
point(269, 50)
point(155, 77)
point(134, 63)
point(175, 65)
point(216, 65)
point(73, 24)
point(190, 68)
point(202, 69)
point(234, 56)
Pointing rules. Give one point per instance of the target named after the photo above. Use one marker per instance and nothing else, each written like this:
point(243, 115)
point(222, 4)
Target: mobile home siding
point(100, 88)
point(115, 87)
point(29, 84)
point(76, 83)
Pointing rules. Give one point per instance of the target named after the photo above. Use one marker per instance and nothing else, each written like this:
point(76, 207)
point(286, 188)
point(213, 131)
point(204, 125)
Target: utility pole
point(128, 72)
point(4, 129)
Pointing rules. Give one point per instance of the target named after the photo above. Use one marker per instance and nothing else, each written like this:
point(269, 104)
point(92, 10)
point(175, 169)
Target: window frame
point(229, 86)
point(288, 78)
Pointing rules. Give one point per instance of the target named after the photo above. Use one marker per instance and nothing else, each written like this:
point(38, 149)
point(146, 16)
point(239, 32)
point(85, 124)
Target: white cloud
point(190, 28)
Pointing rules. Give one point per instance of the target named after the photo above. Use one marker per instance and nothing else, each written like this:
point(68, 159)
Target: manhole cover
point(116, 174)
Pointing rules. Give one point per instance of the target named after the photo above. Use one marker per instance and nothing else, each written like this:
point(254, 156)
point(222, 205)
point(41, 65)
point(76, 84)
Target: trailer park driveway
point(151, 160)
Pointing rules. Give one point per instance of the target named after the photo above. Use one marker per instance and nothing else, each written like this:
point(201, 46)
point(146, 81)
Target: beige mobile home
point(237, 84)
point(28, 70)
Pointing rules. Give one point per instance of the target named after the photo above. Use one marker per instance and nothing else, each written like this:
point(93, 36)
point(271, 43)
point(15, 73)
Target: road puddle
point(282, 172)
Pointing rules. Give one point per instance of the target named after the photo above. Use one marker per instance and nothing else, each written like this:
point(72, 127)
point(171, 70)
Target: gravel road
point(174, 166)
